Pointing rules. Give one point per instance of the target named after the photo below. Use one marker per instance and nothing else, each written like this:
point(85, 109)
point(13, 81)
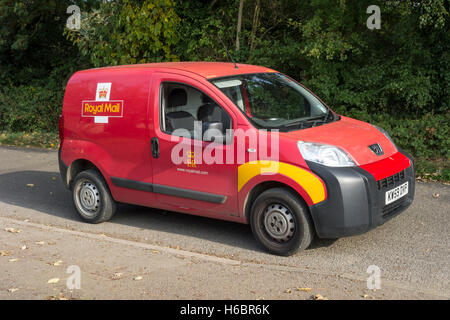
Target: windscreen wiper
point(303, 122)
point(325, 118)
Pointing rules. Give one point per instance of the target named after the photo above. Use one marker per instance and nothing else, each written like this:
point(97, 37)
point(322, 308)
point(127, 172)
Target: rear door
point(189, 173)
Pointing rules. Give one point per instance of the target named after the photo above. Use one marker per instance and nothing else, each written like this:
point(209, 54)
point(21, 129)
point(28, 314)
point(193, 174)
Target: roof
point(204, 69)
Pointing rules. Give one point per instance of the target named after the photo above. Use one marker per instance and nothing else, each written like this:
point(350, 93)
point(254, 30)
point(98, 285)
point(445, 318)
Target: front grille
point(392, 208)
point(391, 181)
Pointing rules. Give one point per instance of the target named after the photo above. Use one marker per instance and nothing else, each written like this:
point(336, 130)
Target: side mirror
point(213, 132)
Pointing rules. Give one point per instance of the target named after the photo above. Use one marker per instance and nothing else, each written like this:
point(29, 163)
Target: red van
point(193, 137)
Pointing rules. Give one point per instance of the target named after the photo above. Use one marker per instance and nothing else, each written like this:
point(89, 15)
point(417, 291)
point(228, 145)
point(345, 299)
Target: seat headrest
point(177, 97)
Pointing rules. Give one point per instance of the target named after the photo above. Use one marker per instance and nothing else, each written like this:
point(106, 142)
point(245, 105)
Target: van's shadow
point(49, 196)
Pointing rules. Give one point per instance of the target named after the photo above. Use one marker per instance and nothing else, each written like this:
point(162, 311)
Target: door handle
point(155, 147)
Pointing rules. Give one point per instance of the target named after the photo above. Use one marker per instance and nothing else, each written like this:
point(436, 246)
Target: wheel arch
point(266, 185)
point(78, 166)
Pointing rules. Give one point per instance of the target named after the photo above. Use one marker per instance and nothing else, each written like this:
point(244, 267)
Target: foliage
point(29, 108)
point(400, 69)
point(128, 32)
point(397, 77)
point(32, 43)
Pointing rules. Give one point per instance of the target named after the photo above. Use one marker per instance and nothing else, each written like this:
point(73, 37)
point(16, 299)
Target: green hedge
point(30, 108)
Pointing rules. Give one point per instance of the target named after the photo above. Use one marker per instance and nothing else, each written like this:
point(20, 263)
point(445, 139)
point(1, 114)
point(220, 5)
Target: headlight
point(385, 134)
point(324, 154)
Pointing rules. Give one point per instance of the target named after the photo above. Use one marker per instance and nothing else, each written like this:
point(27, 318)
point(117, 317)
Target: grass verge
point(47, 140)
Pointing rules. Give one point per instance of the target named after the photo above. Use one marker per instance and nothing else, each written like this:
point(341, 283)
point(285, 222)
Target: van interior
point(182, 105)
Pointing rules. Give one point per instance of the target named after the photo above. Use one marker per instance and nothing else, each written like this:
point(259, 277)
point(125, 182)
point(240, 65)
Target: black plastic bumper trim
point(354, 204)
point(167, 190)
point(62, 169)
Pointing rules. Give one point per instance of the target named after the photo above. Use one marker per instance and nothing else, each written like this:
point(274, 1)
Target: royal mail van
point(228, 141)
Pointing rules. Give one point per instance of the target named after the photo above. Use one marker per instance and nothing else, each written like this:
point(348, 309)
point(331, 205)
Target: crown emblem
point(102, 93)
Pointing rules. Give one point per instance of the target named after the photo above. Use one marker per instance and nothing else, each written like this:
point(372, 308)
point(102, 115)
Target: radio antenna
point(226, 50)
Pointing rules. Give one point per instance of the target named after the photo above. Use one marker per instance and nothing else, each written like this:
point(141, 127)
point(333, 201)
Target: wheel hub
point(88, 198)
point(279, 222)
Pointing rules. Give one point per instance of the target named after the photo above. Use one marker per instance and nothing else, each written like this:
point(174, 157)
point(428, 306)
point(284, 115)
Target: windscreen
point(272, 100)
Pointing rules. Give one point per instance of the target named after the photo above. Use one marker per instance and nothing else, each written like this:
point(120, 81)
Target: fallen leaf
point(40, 242)
point(436, 195)
point(57, 263)
point(288, 291)
point(13, 230)
point(51, 243)
point(12, 290)
point(366, 296)
point(116, 276)
point(138, 278)
point(155, 251)
point(304, 289)
point(4, 253)
point(319, 297)
point(13, 260)
point(60, 296)
point(30, 185)
point(53, 178)
point(53, 280)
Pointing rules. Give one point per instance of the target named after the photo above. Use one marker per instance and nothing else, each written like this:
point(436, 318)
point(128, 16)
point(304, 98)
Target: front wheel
point(91, 197)
point(280, 222)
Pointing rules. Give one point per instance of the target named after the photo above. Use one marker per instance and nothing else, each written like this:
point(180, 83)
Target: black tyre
point(280, 222)
point(91, 197)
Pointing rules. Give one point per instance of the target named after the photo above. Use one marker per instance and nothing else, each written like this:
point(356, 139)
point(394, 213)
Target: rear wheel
point(280, 222)
point(91, 197)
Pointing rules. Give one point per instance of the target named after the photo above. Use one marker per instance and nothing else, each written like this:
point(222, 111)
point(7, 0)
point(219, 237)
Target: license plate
point(396, 193)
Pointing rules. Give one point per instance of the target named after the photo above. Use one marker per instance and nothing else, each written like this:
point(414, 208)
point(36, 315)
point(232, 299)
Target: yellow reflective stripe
point(308, 181)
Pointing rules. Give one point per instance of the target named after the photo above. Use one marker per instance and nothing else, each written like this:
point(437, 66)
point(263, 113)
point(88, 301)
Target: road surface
point(143, 253)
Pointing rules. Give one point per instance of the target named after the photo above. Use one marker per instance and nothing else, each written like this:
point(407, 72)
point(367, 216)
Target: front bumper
point(356, 202)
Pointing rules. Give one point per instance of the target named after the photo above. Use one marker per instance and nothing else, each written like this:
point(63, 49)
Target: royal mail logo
point(113, 108)
point(102, 108)
point(102, 93)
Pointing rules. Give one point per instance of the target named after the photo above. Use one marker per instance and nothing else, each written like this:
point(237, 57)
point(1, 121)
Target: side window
point(182, 105)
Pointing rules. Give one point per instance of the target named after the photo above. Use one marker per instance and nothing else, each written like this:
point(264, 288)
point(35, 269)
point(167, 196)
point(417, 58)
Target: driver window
point(182, 105)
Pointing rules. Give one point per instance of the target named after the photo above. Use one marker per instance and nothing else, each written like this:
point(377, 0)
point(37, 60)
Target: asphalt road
point(182, 256)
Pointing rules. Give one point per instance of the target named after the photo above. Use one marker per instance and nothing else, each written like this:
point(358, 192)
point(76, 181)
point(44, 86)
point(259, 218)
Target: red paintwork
point(220, 179)
point(203, 69)
point(352, 136)
point(246, 102)
point(388, 166)
point(121, 147)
